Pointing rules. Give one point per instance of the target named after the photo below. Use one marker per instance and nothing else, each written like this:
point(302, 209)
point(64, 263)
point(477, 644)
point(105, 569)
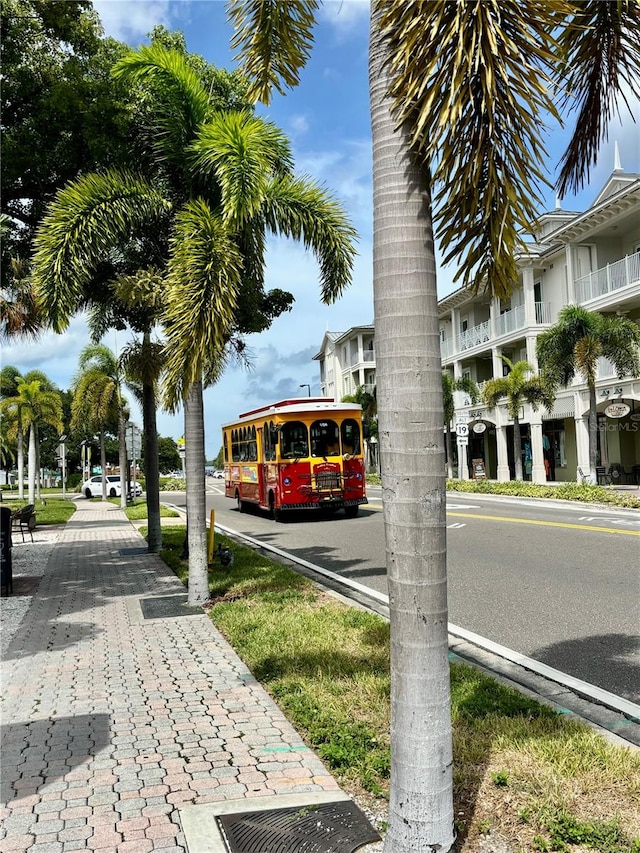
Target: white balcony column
point(532, 357)
point(571, 289)
point(529, 297)
point(538, 473)
point(457, 369)
point(463, 465)
point(455, 330)
point(503, 473)
point(360, 349)
point(494, 311)
point(496, 362)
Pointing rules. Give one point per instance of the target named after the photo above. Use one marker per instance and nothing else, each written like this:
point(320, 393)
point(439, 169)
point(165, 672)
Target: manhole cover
point(327, 828)
point(168, 607)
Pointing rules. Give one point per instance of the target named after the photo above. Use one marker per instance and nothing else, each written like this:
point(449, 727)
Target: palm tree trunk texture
point(593, 434)
point(410, 411)
point(103, 465)
point(122, 456)
point(31, 472)
point(196, 502)
point(517, 448)
point(152, 479)
point(37, 441)
point(20, 459)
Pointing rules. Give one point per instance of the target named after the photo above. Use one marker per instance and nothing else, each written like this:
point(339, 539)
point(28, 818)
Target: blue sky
point(327, 120)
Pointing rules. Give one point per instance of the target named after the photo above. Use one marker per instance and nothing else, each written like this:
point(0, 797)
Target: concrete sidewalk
point(112, 722)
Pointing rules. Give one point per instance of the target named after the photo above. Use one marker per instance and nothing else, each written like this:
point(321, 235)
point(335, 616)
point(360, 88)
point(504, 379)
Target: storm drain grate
point(168, 607)
point(327, 828)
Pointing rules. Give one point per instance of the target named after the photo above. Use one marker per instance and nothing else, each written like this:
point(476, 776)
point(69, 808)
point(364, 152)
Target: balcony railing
point(543, 312)
point(609, 278)
point(510, 321)
point(446, 348)
point(474, 336)
point(369, 355)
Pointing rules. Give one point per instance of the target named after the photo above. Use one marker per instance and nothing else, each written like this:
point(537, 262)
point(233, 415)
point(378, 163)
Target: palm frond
point(273, 40)
point(620, 340)
point(242, 152)
point(181, 102)
point(203, 279)
point(87, 219)
point(300, 208)
point(471, 81)
point(600, 52)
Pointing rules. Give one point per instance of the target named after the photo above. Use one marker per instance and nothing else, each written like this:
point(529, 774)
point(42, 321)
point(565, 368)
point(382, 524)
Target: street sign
point(463, 441)
point(462, 430)
point(133, 441)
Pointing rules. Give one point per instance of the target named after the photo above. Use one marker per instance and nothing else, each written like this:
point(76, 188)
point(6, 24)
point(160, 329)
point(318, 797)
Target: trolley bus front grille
point(328, 481)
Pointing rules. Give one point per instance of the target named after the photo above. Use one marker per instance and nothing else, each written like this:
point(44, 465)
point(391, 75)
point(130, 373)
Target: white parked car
point(93, 488)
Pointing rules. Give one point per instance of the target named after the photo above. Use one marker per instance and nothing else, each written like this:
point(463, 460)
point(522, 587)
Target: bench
point(24, 519)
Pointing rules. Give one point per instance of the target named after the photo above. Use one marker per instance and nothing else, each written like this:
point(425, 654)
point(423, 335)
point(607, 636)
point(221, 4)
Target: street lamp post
point(308, 387)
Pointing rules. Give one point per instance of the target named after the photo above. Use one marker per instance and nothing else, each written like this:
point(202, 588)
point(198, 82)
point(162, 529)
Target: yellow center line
point(545, 523)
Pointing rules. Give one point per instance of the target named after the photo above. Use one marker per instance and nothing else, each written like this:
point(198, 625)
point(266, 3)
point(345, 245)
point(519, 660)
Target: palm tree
point(518, 387)
point(367, 400)
point(449, 385)
point(227, 182)
point(98, 403)
point(575, 343)
point(38, 405)
point(457, 92)
point(13, 407)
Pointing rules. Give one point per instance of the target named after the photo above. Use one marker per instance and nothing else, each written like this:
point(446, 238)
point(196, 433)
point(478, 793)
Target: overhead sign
point(617, 410)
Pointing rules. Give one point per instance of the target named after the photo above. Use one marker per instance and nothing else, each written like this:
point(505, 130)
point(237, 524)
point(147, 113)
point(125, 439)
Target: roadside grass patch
point(138, 510)
point(566, 492)
point(522, 772)
point(49, 511)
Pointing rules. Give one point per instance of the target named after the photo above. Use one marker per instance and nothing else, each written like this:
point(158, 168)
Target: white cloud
point(345, 15)
point(131, 19)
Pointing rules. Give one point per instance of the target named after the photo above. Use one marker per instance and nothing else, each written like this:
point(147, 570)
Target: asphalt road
point(559, 583)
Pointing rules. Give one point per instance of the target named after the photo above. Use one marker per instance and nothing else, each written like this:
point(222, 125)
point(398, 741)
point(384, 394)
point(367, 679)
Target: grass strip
point(49, 511)
point(521, 772)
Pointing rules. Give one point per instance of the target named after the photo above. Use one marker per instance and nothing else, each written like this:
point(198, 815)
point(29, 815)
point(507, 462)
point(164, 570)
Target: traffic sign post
point(133, 441)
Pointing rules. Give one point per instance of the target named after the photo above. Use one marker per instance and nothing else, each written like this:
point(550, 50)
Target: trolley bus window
point(325, 438)
point(350, 436)
point(235, 446)
point(294, 441)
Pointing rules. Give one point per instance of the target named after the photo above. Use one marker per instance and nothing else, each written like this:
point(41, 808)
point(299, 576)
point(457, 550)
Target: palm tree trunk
point(122, 456)
point(20, 441)
point(517, 448)
point(31, 474)
point(103, 465)
point(152, 473)
point(196, 503)
point(38, 486)
point(593, 434)
point(410, 411)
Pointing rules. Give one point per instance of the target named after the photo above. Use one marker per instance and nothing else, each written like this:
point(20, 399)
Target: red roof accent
point(294, 402)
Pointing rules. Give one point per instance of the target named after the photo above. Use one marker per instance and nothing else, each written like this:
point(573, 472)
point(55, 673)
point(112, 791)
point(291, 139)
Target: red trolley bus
point(296, 455)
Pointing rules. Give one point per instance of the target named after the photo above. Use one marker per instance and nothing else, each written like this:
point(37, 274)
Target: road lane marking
point(539, 523)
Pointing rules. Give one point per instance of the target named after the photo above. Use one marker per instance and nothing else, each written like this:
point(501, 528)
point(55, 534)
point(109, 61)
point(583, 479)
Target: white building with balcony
point(591, 258)
point(347, 360)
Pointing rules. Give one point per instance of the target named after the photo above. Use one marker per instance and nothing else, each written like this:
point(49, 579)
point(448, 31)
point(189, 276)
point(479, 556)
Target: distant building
point(591, 259)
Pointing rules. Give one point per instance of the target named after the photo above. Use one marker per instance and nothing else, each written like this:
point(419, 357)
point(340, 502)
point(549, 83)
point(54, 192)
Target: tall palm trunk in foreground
point(410, 417)
point(196, 495)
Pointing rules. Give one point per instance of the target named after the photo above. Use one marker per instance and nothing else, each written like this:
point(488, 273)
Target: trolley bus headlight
point(287, 481)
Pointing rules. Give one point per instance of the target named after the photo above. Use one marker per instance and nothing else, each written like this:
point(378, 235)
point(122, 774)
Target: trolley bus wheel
point(351, 511)
point(274, 513)
point(240, 504)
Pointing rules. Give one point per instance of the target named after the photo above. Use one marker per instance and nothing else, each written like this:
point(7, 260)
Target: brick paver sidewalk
point(110, 721)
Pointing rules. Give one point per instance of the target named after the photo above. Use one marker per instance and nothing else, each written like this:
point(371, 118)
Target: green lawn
point(48, 511)
point(521, 770)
